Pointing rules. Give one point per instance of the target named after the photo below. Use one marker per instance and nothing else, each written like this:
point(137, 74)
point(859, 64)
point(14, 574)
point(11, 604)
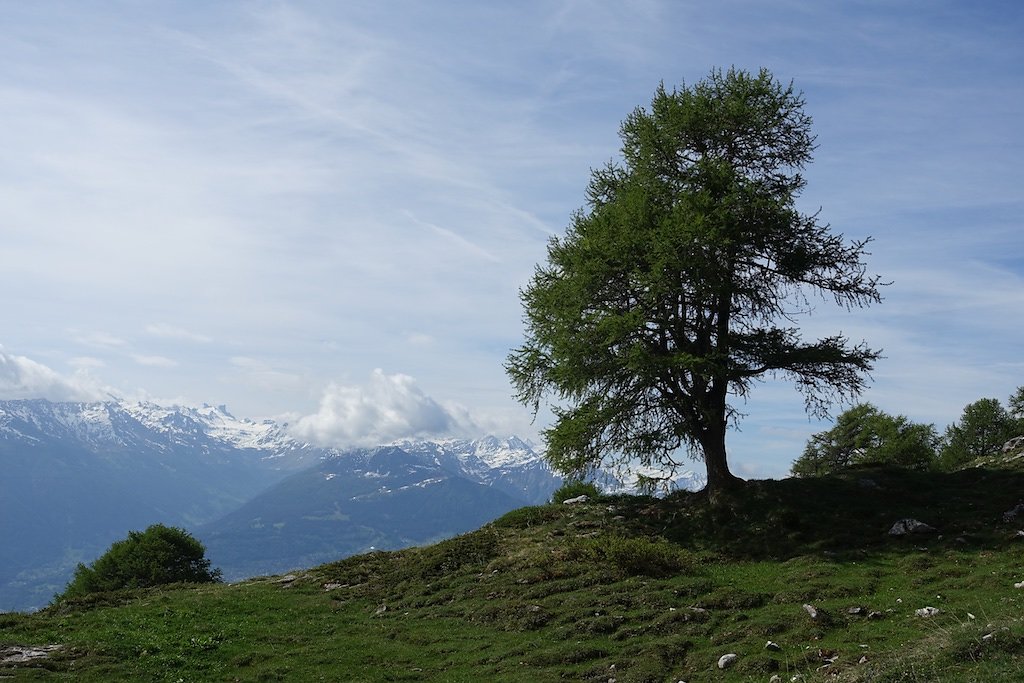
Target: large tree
point(679, 283)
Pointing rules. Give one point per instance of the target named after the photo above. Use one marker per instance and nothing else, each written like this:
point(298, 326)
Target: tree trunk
point(719, 476)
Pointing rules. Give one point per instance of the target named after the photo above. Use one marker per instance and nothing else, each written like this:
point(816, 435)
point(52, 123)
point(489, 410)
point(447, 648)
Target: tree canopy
point(159, 555)
point(866, 435)
point(982, 429)
point(679, 283)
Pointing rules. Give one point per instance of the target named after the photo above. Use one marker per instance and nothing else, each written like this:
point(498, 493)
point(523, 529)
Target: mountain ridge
point(81, 475)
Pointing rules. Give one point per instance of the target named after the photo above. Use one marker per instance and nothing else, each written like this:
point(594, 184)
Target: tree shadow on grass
point(844, 515)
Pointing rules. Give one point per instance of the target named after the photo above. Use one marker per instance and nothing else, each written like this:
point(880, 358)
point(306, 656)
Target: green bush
point(573, 489)
point(159, 555)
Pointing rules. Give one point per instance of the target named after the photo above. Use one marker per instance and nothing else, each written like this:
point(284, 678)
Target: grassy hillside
point(627, 588)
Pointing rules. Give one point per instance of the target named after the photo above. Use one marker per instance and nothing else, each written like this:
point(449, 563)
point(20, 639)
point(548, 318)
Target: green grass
point(630, 588)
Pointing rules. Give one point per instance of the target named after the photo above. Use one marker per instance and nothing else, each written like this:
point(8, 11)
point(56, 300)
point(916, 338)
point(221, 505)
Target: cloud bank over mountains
point(386, 409)
point(22, 377)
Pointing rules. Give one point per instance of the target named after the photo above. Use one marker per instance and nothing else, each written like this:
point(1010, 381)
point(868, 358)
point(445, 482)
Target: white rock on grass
point(725, 661)
point(927, 612)
point(578, 499)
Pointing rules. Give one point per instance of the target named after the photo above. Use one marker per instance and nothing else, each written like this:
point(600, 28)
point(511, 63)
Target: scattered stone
point(971, 616)
point(908, 525)
point(1019, 585)
point(1012, 513)
point(725, 661)
point(1013, 444)
point(812, 611)
point(333, 586)
point(578, 499)
point(875, 615)
point(988, 636)
point(774, 647)
point(19, 654)
point(927, 612)
point(863, 659)
point(856, 611)
point(776, 678)
point(380, 610)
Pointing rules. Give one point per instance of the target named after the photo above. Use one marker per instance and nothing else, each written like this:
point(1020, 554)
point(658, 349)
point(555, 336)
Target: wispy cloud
point(165, 331)
point(227, 187)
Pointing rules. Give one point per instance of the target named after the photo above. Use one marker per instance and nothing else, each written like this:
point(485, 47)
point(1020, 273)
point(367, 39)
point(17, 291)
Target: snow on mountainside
point(217, 424)
point(117, 425)
point(509, 465)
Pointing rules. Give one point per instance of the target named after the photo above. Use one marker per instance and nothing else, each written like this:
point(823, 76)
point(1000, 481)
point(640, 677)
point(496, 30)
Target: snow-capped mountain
point(78, 476)
point(121, 425)
point(510, 465)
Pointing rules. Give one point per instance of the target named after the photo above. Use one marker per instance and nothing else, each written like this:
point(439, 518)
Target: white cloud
point(387, 408)
point(154, 361)
point(101, 340)
point(23, 378)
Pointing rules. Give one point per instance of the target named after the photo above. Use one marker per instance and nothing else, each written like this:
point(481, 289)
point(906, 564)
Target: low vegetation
point(157, 556)
point(624, 588)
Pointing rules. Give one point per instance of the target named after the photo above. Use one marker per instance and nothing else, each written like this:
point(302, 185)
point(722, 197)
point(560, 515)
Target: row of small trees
point(866, 435)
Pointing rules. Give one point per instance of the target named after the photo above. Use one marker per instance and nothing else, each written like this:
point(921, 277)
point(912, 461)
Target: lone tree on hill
point(679, 283)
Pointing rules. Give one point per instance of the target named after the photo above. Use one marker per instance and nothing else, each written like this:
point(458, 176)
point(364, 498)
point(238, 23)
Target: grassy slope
point(633, 589)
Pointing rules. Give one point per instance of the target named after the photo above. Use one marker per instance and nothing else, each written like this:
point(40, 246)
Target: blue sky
point(324, 211)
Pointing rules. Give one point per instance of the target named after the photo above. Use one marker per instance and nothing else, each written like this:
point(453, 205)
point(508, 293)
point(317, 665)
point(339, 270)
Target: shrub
point(573, 489)
point(635, 556)
point(159, 555)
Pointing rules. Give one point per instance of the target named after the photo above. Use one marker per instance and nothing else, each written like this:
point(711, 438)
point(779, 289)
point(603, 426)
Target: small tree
point(982, 430)
point(864, 434)
point(677, 287)
point(159, 555)
point(1016, 407)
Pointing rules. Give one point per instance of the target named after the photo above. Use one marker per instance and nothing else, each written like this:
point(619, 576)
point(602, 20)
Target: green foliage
point(982, 430)
point(866, 435)
point(575, 488)
point(1016, 406)
point(524, 518)
point(675, 287)
point(159, 555)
